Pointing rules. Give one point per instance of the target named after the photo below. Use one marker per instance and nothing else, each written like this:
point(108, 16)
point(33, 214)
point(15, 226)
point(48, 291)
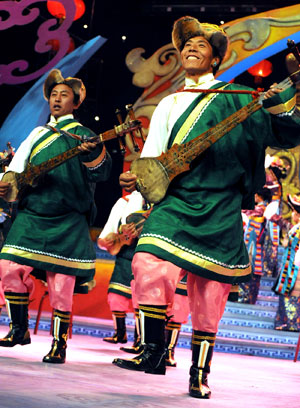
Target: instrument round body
point(152, 178)
point(13, 191)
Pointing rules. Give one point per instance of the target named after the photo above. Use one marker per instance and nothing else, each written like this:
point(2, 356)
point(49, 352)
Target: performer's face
point(197, 57)
point(61, 101)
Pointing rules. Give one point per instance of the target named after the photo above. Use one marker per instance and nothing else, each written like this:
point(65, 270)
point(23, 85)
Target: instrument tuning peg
point(130, 112)
point(119, 116)
point(122, 146)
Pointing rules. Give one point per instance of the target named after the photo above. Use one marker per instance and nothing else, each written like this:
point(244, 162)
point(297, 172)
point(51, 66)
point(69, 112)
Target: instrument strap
point(66, 133)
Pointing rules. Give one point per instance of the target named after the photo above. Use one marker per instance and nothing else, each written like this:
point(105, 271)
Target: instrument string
point(226, 125)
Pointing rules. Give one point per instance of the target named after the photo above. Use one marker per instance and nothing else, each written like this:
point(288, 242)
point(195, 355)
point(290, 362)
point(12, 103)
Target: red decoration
point(262, 69)
point(57, 9)
point(55, 45)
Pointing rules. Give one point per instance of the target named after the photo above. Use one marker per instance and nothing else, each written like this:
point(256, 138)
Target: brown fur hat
point(187, 27)
point(55, 77)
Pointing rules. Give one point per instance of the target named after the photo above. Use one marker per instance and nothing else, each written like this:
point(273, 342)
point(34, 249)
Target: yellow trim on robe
point(52, 137)
point(119, 287)
point(194, 259)
point(48, 259)
point(193, 116)
point(282, 107)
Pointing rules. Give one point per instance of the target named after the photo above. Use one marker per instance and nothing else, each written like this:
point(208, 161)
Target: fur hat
point(276, 164)
point(294, 202)
point(55, 77)
point(187, 27)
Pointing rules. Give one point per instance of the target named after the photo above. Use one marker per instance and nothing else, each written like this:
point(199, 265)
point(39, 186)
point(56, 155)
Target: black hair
point(76, 97)
point(265, 193)
point(279, 173)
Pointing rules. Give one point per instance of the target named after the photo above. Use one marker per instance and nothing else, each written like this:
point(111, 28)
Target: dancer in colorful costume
point(288, 282)
point(205, 235)
point(276, 171)
point(50, 235)
point(254, 237)
point(126, 220)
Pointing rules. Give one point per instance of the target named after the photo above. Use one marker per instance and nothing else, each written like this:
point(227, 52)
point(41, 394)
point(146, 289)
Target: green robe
point(51, 230)
point(198, 224)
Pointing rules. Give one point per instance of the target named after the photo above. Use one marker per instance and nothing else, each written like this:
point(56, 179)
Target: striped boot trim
point(119, 314)
point(173, 326)
point(17, 298)
point(155, 312)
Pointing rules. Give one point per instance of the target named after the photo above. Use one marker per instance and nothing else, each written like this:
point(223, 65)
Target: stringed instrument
point(114, 241)
point(154, 174)
point(31, 175)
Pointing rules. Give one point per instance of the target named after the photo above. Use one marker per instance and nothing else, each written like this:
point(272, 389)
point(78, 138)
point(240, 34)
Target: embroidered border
point(45, 253)
point(207, 258)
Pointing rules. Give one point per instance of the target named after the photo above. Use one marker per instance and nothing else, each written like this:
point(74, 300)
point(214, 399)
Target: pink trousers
point(155, 284)
point(179, 311)
point(2, 298)
point(16, 278)
point(119, 303)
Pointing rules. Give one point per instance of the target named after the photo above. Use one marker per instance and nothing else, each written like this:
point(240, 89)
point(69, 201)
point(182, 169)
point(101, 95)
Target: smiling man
point(50, 235)
point(197, 227)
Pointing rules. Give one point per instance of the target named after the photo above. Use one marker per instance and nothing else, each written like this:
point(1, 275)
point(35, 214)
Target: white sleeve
point(271, 209)
point(134, 204)
point(121, 209)
point(158, 136)
point(112, 224)
point(21, 157)
point(297, 258)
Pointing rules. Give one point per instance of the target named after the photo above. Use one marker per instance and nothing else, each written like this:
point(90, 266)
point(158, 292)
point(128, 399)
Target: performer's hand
point(4, 187)
point(129, 230)
point(87, 147)
point(108, 242)
point(128, 181)
point(276, 218)
point(272, 91)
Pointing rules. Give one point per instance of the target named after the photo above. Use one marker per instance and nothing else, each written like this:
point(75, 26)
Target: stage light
point(261, 70)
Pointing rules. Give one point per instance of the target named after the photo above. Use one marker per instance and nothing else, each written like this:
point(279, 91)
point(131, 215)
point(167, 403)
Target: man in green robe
point(197, 226)
point(50, 235)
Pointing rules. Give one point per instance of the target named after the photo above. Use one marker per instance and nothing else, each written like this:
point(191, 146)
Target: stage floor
point(89, 380)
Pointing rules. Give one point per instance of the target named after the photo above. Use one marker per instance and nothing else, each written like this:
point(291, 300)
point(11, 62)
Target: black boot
point(119, 335)
point(202, 351)
point(171, 335)
point(17, 309)
point(136, 347)
point(152, 359)
point(60, 331)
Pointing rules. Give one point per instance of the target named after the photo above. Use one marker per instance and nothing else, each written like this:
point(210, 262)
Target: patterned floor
point(89, 380)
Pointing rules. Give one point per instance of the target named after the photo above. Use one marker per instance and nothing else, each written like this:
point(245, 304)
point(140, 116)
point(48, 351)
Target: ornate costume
point(206, 201)
point(288, 282)
point(205, 237)
point(50, 235)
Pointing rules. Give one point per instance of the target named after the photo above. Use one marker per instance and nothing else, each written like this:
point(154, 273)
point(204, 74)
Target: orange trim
point(98, 160)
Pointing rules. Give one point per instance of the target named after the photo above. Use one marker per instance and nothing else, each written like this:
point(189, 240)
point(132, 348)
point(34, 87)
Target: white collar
point(204, 81)
point(54, 121)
